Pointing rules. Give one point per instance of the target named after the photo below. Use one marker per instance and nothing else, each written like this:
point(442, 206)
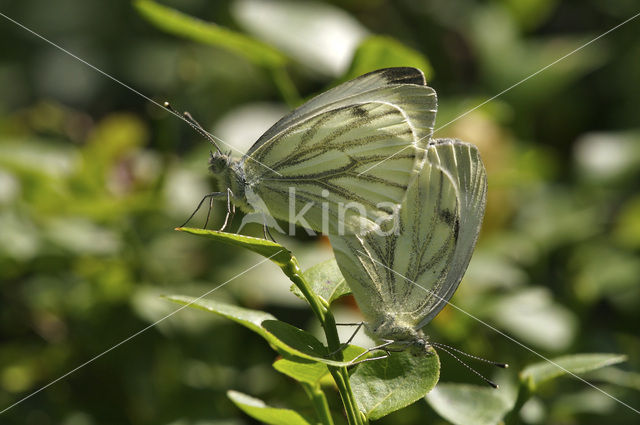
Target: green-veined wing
point(403, 279)
point(359, 142)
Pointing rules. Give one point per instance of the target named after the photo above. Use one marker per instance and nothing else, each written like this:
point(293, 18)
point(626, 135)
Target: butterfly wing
point(462, 162)
point(384, 271)
point(328, 163)
point(364, 88)
point(411, 274)
point(361, 148)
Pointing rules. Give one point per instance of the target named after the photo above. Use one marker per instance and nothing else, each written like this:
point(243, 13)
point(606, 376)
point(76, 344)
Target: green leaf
point(257, 409)
point(618, 282)
point(311, 372)
point(533, 315)
point(538, 373)
point(386, 385)
point(271, 250)
point(286, 339)
point(463, 404)
point(613, 375)
point(530, 13)
point(627, 225)
point(504, 55)
point(383, 52)
point(325, 280)
point(177, 23)
point(584, 402)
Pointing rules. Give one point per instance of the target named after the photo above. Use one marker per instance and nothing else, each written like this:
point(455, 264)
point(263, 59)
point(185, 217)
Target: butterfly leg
point(211, 196)
point(231, 210)
point(384, 346)
point(265, 229)
point(370, 359)
point(206, 222)
point(353, 335)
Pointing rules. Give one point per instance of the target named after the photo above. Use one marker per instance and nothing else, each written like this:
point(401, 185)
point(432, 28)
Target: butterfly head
point(389, 328)
point(219, 162)
point(419, 347)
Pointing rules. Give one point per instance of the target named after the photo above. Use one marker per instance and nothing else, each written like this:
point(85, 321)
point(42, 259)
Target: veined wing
point(440, 222)
point(384, 271)
point(462, 161)
point(327, 160)
point(393, 85)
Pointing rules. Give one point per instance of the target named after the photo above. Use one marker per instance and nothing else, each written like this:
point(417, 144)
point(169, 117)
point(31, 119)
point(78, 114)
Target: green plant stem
point(333, 342)
point(341, 378)
point(319, 400)
point(292, 269)
point(524, 393)
point(322, 312)
point(285, 86)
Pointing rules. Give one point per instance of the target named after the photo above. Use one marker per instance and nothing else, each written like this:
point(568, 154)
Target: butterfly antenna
point(194, 124)
point(471, 356)
point(488, 381)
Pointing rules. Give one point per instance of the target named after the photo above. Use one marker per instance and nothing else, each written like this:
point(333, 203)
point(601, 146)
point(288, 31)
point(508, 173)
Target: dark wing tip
point(401, 75)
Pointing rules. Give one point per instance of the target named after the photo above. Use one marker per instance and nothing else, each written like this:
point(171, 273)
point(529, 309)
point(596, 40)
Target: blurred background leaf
point(463, 404)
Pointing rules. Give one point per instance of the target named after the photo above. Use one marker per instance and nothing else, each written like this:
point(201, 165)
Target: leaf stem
point(322, 312)
point(320, 404)
point(285, 86)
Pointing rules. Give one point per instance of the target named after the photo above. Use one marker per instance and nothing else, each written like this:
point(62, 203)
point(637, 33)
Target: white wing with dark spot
point(409, 276)
point(462, 162)
point(365, 88)
point(329, 146)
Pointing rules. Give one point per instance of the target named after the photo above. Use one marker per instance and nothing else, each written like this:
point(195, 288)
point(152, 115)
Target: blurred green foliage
point(93, 177)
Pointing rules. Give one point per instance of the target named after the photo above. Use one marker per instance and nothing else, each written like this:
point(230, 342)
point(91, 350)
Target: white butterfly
point(322, 154)
point(402, 280)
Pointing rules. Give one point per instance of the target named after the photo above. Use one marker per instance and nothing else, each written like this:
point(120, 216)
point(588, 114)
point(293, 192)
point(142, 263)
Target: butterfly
point(341, 161)
point(402, 279)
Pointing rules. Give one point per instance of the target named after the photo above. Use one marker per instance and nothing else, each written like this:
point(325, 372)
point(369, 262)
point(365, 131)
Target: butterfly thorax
point(230, 175)
point(405, 337)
